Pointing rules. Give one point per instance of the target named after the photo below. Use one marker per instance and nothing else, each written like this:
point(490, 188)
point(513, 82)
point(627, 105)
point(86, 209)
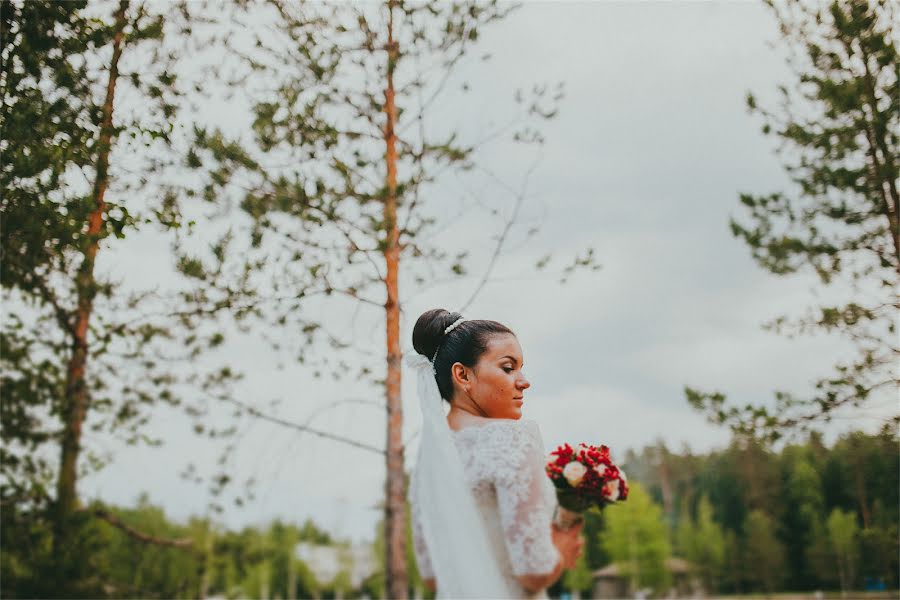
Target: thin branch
point(419, 160)
point(447, 69)
point(502, 238)
point(355, 247)
point(184, 543)
point(63, 316)
point(811, 417)
point(337, 403)
point(219, 305)
point(279, 421)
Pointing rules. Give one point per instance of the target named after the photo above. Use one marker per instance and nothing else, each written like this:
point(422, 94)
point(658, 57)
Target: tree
point(79, 353)
point(736, 571)
point(880, 544)
point(838, 130)
point(842, 535)
point(765, 554)
point(804, 505)
point(702, 543)
point(334, 177)
point(818, 555)
point(635, 538)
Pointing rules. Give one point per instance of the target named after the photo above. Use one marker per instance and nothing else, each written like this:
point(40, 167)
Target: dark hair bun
point(465, 344)
point(429, 330)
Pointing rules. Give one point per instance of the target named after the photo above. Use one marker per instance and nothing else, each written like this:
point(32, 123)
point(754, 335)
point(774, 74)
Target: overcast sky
point(644, 163)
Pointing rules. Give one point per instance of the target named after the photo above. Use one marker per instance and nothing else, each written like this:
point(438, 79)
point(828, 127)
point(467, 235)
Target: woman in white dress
point(482, 506)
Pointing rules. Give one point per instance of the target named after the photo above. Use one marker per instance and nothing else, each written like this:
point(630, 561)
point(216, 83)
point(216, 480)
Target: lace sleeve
point(524, 511)
point(423, 560)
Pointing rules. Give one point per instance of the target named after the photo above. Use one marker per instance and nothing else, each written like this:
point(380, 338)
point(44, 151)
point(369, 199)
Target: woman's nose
point(524, 383)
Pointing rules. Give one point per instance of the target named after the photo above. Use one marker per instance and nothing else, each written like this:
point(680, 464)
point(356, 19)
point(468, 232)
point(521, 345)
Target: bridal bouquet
point(583, 477)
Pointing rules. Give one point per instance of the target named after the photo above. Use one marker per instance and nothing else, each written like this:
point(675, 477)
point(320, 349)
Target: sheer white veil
point(458, 544)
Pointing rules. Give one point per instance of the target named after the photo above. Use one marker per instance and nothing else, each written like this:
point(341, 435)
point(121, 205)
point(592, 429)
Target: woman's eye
point(508, 369)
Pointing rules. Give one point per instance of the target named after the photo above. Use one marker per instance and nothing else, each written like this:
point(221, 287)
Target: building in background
point(609, 582)
point(342, 567)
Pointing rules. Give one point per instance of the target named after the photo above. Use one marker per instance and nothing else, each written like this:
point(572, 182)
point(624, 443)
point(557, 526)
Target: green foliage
point(796, 488)
point(837, 129)
point(595, 554)
point(764, 552)
point(749, 549)
point(804, 503)
point(636, 540)
point(42, 135)
point(879, 544)
point(735, 567)
point(818, 555)
point(842, 535)
point(137, 568)
point(63, 382)
point(702, 543)
point(579, 578)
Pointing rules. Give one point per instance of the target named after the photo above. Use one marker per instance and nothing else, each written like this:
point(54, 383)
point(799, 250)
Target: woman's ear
point(459, 373)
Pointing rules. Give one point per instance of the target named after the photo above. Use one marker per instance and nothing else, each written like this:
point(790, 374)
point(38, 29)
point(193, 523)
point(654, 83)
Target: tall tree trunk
point(665, 482)
point(860, 484)
point(395, 505)
point(76, 393)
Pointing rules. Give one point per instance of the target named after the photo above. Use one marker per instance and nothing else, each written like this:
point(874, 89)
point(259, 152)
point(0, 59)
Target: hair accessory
point(454, 325)
point(449, 328)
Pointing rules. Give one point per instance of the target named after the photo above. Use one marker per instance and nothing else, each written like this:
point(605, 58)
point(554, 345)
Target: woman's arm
point(538, 552)
point(533, 583)
point(569, 544)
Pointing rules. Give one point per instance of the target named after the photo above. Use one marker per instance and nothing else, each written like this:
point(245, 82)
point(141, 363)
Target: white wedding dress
point(503, 461)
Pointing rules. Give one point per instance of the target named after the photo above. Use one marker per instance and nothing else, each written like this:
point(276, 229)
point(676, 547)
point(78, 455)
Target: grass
point(826, 595)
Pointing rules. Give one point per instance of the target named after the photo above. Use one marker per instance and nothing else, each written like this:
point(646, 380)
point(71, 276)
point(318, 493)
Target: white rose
point(601, 470)
point(574, 473)
point(612, 489)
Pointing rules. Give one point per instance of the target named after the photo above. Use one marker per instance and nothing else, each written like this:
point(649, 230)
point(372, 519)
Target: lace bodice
point(504, 463)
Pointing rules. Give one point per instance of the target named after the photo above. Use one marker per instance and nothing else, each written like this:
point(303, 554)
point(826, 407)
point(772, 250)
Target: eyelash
point(508, 369)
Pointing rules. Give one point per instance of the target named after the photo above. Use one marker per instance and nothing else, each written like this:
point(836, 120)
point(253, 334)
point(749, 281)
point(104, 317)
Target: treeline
point(196, 559)
point(749, 518)
point(752, 519)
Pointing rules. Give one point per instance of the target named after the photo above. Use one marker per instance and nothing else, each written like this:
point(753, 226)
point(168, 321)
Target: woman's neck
point(460, 416)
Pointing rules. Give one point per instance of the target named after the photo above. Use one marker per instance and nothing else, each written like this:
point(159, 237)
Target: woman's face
point(497, 383)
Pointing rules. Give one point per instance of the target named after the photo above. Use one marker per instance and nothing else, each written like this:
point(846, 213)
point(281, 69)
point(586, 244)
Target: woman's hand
point(569, 543)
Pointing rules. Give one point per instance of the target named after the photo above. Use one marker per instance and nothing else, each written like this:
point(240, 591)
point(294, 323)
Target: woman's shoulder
point(494, 426)
point(501, 433)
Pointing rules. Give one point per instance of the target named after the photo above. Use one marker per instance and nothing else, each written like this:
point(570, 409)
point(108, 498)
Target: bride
point(482, 506)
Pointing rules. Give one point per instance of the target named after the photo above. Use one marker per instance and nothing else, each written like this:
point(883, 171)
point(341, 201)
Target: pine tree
point(336, 175)
point(843, 535)
point(79, 354)
point(764, 552)
point(838, 130)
